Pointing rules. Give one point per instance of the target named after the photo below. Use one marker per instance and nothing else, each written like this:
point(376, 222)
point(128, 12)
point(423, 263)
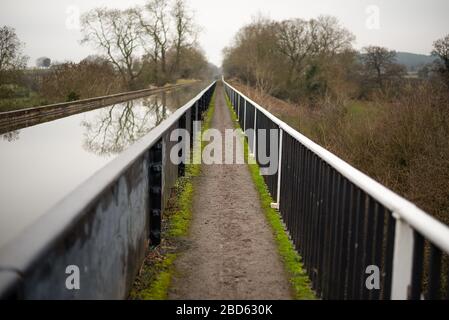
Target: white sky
point(410, 25)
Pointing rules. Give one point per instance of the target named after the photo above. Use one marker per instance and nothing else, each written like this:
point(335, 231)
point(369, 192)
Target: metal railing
point(344, 224)
point(103, 228)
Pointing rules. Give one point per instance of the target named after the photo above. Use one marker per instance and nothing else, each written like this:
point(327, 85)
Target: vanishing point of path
point(231, 252)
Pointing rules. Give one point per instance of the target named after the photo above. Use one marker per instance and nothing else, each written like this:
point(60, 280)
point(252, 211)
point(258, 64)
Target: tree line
point(315, 60)
point(135, 48)
point(156, 43)
point(360, 105)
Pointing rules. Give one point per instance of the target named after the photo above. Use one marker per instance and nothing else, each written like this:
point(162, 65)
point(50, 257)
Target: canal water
point(39, 165)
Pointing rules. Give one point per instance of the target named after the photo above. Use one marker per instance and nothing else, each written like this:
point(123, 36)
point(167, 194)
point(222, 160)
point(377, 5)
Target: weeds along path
point(231, 252)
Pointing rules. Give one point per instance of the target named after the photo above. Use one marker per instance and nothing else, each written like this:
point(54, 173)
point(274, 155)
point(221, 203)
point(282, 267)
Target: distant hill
point(413, 61)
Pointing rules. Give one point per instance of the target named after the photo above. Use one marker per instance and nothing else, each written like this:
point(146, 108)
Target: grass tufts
point(298, 278)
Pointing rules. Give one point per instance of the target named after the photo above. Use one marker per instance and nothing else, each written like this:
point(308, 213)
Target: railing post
point(182, 151)
point(238, 108)
point(244, 115)
point(276, 205)
point(255, 132)
point(196, 112)
point(402, 260)
point(155, 191)
point(231, 98)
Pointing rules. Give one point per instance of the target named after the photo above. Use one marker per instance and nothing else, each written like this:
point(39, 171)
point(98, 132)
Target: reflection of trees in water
point(115, 128)
point(11, 136)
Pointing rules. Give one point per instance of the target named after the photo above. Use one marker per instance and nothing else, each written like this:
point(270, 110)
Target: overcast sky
point(48, 29)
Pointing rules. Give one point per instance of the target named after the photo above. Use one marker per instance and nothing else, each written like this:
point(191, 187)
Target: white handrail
point(429, 227)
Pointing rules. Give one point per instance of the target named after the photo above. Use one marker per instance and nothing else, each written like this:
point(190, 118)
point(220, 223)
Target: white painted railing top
point(430, 228)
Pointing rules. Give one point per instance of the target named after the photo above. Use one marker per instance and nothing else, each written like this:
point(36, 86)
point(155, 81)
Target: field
point(402, 144)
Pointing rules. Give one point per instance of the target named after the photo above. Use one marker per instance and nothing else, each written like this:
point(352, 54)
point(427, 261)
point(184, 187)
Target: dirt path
point(231, 253)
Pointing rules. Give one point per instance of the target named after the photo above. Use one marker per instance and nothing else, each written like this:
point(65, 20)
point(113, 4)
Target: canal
point(41, 164)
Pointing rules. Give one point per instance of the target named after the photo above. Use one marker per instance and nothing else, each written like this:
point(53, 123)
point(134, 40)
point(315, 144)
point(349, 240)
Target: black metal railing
point(346, 226)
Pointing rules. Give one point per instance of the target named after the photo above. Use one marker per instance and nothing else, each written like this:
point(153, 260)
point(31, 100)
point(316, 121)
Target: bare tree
point(117, 34)
point(253, 56)
point(441, 50)
point(329, 37)
point(185, 29)
point(194, 63)
point(11, 57)
point(311, 48)
point(299, 39)
point(380, 64)
point(295, 41)
point(155, 23)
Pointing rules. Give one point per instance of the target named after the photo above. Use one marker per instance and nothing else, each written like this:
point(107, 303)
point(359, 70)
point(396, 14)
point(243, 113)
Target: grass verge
point(154, 278)
point(298, 278)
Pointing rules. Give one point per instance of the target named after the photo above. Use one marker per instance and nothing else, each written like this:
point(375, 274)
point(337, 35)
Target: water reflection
point(41, 164)
point(112, 130)
point(11, 136)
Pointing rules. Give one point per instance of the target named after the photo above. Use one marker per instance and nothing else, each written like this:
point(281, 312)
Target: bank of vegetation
point(136, 48)
point(363, 106)
point(298, 278)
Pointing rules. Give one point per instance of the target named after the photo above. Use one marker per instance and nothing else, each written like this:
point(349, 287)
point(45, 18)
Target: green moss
point(158, 288)
point(155, 277)
point(180, 222)
point(292, 261)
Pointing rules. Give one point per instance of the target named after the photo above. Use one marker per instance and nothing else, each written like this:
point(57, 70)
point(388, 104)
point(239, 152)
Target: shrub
point(9, 91)
point(73, 96)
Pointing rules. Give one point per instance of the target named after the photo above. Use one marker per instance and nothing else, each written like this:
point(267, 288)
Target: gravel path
point(231, 253)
